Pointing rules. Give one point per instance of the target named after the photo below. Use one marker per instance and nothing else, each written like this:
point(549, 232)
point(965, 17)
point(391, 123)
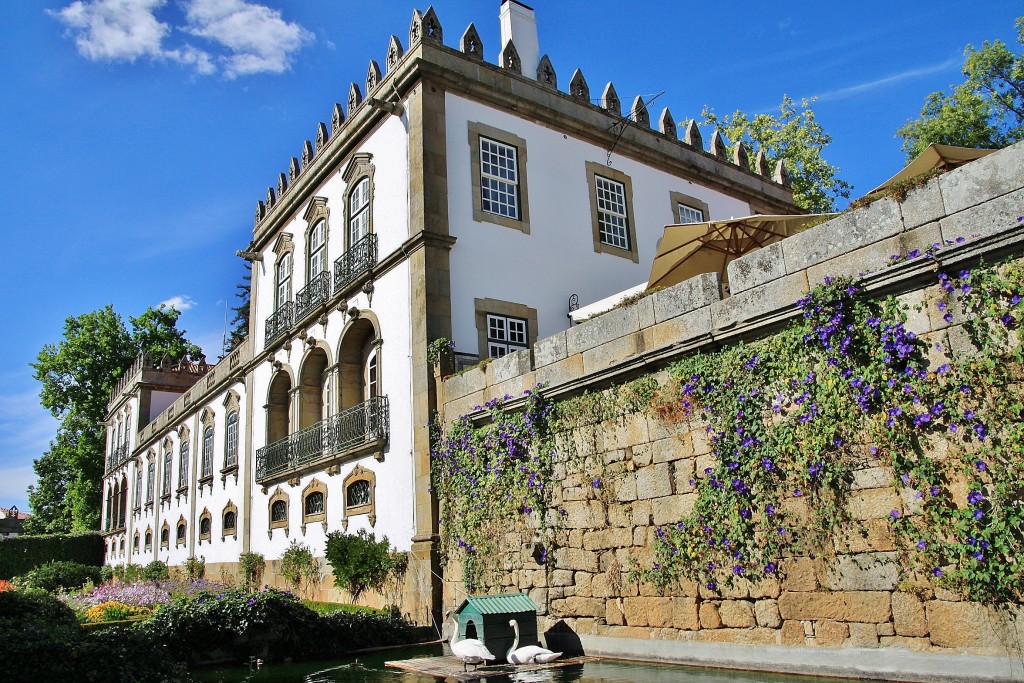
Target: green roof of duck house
point(509, 603)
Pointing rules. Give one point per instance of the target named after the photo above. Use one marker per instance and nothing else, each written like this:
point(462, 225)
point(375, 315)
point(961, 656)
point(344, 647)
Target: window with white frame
point(317, 262)
point(231, 443)
point(208, 451)
point(499, 178)
point(284, 280)
point(612, 219)
point(688, 214)
point(505, 335)
point(183, 464)
point(359, 211)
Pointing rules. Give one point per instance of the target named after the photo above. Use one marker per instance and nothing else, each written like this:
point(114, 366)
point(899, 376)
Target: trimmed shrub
point(253, 565)
point(21, 554)
point(360, 562)
point(59, 575)
point(156, 571)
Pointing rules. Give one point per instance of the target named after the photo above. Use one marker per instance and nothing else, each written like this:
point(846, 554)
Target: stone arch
point(359, 340)
point(279, 404)
point(313, 380)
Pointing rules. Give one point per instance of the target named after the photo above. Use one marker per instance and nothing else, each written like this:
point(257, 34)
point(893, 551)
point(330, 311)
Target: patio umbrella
point(945, 157)
point(688, 250)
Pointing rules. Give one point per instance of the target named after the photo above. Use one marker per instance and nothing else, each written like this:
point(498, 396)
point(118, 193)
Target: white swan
point(528, 654)
point(470, 651)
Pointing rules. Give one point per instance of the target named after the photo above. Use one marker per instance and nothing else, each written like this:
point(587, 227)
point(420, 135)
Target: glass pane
point(358, 493)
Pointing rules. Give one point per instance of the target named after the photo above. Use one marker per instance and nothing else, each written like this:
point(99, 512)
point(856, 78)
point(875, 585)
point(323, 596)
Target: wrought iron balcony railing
point(117, 457)
point(280, 322)
point(361, 426)
point(356, 261)
point(317, 292)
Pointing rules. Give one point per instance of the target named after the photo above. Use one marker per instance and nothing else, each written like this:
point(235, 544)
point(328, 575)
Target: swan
point(470, 651)
point(528, 654)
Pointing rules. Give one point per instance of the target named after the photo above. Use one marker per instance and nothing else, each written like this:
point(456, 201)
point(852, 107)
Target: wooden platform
point(451, 667)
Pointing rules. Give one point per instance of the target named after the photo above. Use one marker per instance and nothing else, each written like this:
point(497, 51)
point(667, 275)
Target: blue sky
point(137, 135)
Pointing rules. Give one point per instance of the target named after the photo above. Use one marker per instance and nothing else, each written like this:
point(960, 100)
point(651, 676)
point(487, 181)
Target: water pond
point(369, 668)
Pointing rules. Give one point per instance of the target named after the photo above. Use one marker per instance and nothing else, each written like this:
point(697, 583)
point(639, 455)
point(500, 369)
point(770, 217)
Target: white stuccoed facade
point(331, 404)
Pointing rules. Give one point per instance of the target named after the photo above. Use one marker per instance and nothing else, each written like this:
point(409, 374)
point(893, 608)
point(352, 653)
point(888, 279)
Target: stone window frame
point(149, 539)
point(150, 478)
point(593, 170)
point(279, 496)
point(207, 419)
point(232, 407)
point(359, 473)
point(184, 455)
point(120, 548)
point(205, 516)
point(677, 198)
point(315, 486)
point(224, 531)
point(137, 508)
point(181, 532)
point(165, 536)
point(317, 213)
point(283, 247)
point(503, 308)
point(166, 468)
point(359, 167)
point(476, 131)
point(135, 543)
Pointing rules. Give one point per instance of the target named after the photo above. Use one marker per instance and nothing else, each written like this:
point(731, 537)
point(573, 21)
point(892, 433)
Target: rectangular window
point(359, 212)
point(688, 214)
point(499, 178)
point(231, 446)
point(150, 475)
point(505, 335)
point(183, 465)
point(284, 281)
point(612, 219)
point(317, 251)
point(165, 488)
point(208, 452)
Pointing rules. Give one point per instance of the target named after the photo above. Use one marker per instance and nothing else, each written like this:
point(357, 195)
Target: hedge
point(22, 554)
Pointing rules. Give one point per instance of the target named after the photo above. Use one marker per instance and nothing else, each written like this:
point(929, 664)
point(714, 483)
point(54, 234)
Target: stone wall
point(854, 597)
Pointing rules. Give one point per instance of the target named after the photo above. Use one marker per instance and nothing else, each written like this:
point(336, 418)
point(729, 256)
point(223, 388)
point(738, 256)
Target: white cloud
point(115, 30)
point(257, 38)
point(868, 86)
point(244, 37)
point(180, 303)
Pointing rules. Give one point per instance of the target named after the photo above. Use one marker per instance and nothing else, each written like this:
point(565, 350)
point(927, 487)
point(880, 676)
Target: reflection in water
point(371, 669)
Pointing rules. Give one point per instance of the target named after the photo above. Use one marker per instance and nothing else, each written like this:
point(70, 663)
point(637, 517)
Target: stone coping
point(888, 664)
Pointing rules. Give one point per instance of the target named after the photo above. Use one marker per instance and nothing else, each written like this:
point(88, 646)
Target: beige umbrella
point(688, 250)
point(945, 157)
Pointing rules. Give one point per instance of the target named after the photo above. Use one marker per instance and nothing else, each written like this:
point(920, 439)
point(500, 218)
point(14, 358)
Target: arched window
point(138, 491)
point(135, 543)
point(165, 536)
point(150, 476)
point(359, 211)
point(149, 540)
point(165, 489)
point(372, 373)
point(208, 451)
point(183, 463)
point(279, 511)
point(122, 501)
point(229, 522)
point(284, 280)
point(179, 538)
point(120, 548)
point(231, 442)
point(229, 518)
point(314, 504)
point(317, 260)
point(205, 525)
point(358, 494)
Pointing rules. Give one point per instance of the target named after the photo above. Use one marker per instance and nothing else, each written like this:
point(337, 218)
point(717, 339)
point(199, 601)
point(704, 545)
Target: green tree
point(240, 323)
point(796, 138)
point(77, 376)
point(986, 110)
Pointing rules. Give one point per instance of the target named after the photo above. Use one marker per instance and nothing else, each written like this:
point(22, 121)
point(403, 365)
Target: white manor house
point(449, 198)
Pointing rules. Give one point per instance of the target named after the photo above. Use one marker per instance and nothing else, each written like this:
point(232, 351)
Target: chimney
point(519, 25)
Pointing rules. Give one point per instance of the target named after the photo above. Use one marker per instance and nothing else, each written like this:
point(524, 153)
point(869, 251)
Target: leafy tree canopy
point(986, 110)
point(795, 137)
point(77, 375)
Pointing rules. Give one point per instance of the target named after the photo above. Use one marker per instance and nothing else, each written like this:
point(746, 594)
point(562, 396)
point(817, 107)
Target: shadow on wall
point(561, 638)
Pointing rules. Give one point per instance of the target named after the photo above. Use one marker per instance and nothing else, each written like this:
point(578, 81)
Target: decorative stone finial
point(610, 100)
point(667, 125)
point(373, 76)
point(546, 74)
point(355, 98)
point(282, 184)
point(781, 174)
point(432, 27)
point(761, 164)
point(261, 211)
point(692, 135)
point(415, 28)
point(293, 170)
point(470, 43)
point(578, 88)
point(740, 156)
point(718, 148)
point(639, 113)
point(271, 199)
point(322, 136)
point(509, 59)
point(337, 118)
point(395, 52)
point(307, 153)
